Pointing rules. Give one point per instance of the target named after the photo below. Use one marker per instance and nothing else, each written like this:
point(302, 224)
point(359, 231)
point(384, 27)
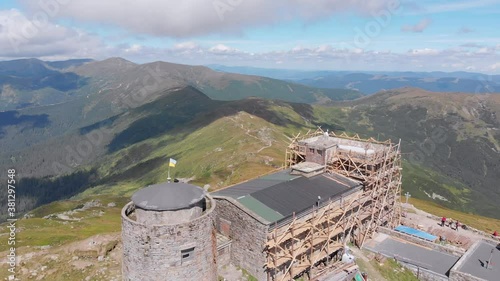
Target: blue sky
point(425, 35)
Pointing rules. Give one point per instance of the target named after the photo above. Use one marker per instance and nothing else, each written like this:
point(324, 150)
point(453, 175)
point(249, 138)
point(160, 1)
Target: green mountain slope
point(31, 82)
point(132, 148)
point(450, 141)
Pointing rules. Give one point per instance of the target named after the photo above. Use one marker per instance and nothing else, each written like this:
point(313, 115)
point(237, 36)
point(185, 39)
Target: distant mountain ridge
point(370, 82)
point(32, 82)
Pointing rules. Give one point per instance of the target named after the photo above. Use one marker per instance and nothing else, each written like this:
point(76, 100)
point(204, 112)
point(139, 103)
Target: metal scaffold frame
point(297, 247)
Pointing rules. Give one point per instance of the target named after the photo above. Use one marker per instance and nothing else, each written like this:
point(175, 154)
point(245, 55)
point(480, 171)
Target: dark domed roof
point(168, 196)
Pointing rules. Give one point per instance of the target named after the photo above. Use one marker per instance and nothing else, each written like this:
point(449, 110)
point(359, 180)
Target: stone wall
point(456, 275)
point(424, 274)
point(154, 252)
point(248, 235)
point(460, 276)
point(223, 256)
point(452, 250)
point(167, 217)
point(315, 155)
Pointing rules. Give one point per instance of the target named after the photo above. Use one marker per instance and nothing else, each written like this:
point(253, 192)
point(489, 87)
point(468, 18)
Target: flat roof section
point(433, 260)
point(475, 261)
point(251, 186)
point(302, 193)
point(260, 209)
point(320, 142)
point(277, 196)
point(307, 167)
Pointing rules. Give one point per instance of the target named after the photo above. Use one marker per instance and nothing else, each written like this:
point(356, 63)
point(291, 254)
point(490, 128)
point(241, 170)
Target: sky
point(376, 35)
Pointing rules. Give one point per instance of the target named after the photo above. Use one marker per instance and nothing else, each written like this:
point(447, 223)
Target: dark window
point(311, 150)
point(320, 152)
point(187, 254)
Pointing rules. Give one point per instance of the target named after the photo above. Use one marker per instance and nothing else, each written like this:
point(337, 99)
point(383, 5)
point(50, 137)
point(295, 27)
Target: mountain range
point(115, 128)
point(370, 82)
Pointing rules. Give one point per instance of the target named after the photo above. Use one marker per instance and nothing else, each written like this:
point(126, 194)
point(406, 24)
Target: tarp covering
point(415, 232)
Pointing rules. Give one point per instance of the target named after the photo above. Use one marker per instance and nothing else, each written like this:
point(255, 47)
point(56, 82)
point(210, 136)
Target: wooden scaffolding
point(319, 235)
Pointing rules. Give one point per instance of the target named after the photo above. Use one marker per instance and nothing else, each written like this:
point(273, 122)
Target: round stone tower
point(168, 234)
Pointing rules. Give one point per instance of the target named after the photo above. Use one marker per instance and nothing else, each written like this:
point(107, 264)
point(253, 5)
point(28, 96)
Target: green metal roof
point(259, 208)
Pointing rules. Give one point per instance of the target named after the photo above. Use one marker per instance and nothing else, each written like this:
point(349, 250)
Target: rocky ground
point(95, 258)
point(99, 257)
point(462, 238)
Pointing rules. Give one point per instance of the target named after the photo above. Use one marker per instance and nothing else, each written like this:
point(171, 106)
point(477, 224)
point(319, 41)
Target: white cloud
point(495, 66)
point(424, 52)
point(329, 57)
point(190, 45)
point(51, 41)
point(30, 37)
point(135, 48)
point(458, 5)
point(222, 49)
point(419, 27)
point(188, 18)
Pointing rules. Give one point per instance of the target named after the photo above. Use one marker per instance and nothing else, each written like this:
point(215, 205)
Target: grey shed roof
point(168, 196)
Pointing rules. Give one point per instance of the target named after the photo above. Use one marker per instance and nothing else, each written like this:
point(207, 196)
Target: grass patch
point(422, 182)
point(37, 231)
point(411, 211)
point(393, 271)
point(248, 276)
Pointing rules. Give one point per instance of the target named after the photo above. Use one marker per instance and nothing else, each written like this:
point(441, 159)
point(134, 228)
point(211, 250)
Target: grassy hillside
point(450, 142)
point(215, 142)
point(219, 143)
point(275, 89)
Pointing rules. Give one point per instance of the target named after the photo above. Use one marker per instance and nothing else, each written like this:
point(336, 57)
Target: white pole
point(168, 178)
point(489, 260)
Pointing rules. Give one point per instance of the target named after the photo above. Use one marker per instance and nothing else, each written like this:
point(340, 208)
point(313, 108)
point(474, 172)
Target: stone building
point(277, 227)
point(168, 234)
point(335, 187)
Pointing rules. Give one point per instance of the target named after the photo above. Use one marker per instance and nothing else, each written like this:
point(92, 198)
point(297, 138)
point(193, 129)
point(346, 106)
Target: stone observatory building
point(168, 234)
